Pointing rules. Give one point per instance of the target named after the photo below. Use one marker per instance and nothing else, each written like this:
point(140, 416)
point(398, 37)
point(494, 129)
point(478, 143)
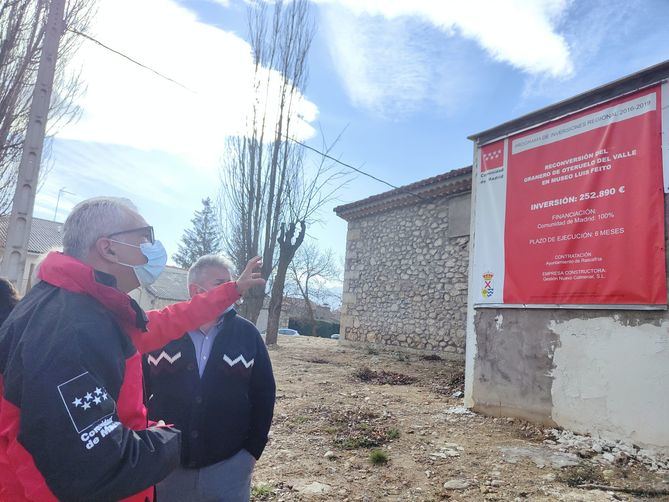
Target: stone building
point(405, 279)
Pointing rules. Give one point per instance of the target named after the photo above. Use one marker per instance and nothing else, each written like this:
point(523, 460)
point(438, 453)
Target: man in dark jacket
point(71, 418)
point(216, 385)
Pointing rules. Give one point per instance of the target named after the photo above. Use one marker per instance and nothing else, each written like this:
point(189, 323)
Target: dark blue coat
point(229, 408)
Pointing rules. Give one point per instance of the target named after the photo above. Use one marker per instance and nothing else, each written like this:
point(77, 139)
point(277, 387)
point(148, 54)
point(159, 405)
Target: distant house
point(293, 309)
point(296, 308)
point(261, 322)
point(45, 235)
point(171, 287)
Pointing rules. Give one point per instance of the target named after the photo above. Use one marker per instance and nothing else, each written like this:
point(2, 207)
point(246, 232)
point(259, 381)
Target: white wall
point(261, 323)
point(611, 379)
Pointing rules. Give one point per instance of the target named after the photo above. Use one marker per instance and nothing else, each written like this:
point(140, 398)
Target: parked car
point(282, 331)
point(288, 332)
point(335, 336)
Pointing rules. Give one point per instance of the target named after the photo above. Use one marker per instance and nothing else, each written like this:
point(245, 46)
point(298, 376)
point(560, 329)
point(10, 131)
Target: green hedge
point(323, 329)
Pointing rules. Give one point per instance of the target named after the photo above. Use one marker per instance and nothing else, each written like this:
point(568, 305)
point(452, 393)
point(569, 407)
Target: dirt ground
point(340, 409)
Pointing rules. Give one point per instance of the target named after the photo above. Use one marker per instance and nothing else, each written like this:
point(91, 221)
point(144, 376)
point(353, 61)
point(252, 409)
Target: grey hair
point(93, 218)
point(197, 271)
point(34, 278)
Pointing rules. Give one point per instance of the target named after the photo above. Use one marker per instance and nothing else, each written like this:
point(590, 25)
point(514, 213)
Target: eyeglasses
point(146, 231)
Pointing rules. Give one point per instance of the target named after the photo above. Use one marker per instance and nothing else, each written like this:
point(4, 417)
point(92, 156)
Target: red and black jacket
point(73, 425)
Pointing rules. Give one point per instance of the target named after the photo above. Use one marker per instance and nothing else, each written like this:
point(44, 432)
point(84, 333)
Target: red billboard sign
point(584, 220)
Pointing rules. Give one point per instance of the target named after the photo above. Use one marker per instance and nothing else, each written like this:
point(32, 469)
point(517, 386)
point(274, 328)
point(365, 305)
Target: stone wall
point(405, 282)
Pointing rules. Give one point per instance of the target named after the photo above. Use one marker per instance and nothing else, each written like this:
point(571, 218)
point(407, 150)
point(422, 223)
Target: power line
point(118, 53)
point(303, 145)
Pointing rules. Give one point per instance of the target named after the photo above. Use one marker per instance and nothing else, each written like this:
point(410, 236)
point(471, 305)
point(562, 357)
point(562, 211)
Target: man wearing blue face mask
point(73, 425)
point(215, 384)
point(153, 251)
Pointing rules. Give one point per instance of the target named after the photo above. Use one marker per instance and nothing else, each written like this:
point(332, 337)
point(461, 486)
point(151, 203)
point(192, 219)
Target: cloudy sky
point(408, 81)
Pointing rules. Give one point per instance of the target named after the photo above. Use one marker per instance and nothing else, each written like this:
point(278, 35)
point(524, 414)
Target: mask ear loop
point(110, 250)
point(132, 246)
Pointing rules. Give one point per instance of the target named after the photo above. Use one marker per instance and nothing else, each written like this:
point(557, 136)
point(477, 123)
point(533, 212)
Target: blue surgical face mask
point(156, 259)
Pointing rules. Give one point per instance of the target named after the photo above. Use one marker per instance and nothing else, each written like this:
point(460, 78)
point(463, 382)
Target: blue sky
point(409, 80)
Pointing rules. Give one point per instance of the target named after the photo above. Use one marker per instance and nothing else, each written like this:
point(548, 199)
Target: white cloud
point(164, 187)
point(376, 62)
point(389, 62)
point(519, 32)
point(128, 105)
point(393, 67)
point(594, 45)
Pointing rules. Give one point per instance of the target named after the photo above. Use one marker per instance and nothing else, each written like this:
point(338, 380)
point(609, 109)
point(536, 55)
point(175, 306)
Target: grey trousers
point(227, 481)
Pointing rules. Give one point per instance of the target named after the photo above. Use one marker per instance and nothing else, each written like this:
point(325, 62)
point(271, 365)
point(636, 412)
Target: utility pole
point(20, 221)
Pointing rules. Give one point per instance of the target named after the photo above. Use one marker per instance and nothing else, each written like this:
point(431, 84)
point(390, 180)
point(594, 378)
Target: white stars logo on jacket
point(86, 401)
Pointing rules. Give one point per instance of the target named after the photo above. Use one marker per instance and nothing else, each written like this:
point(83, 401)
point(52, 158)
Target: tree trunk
point(312, 316)
point(287, 248)
point(253, 302)
point(276, 300)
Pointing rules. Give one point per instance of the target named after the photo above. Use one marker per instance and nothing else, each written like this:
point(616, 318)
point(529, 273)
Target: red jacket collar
point(68, 273)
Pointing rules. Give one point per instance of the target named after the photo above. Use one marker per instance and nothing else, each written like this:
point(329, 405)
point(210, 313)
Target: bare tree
point(261, 164)
point(307, 192)
point(290, 239)
point(310, 273)
point(22, 29)
point(270, 190)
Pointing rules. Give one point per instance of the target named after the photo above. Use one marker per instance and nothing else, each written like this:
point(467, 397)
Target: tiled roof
point(171, 285)
point(44, 235)
point(450, 183)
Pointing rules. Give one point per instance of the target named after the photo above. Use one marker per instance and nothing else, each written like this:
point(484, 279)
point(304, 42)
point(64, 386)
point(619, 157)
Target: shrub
point(378, 457)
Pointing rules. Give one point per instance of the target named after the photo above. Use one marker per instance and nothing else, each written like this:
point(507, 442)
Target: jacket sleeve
point(70, 422)
point(146, 373)
point(262, 395)
point(173, 321)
